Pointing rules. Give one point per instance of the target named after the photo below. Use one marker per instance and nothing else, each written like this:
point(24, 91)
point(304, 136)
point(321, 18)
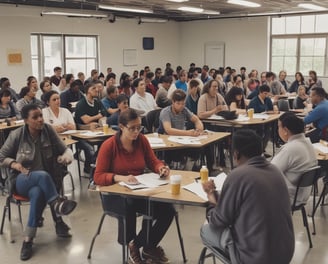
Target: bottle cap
point(204, 167)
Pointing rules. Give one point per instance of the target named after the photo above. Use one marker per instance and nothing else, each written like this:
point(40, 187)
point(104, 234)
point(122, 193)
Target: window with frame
point(74, 53)
point(299, 43)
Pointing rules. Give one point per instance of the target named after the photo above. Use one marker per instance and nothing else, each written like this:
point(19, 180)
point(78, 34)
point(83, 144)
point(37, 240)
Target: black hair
point(128, 115)
point(76, 82)
point(121, 98)
point(293, 123)
point(126, 84)
point(42, 84)
point(208, 85)
point(4, 92)
point(178, 95)
point(3, 80)
point(231, 97)
point(136, 82)
point(149, 75)
point(88, 86)
point(111, 89)
point(247, 143)
point(236, 77)
point(68, 77)
point(30, 79)
point(243, 68)
point(165, 79)
point(27, 108)
point(101, 75)
point(110, 76)
point(48, 95)
point(264, 88)
point(24, 91)
point(319, 91)
point(57, 68)
point(193, 83)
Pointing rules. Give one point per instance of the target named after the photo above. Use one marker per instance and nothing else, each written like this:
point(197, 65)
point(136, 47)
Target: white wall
point(246, 40)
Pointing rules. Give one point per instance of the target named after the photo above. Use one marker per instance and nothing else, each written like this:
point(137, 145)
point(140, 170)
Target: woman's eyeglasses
point(135, 128)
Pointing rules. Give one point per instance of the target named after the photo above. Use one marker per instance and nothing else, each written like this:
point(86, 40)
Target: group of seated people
point(32, 151)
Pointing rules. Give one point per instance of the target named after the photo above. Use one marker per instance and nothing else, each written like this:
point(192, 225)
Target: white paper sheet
point(147, 180)
point(186, 140)
point(320, 147)
point(197, 188)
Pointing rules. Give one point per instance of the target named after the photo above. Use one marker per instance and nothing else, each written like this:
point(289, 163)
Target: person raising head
point(121, 158)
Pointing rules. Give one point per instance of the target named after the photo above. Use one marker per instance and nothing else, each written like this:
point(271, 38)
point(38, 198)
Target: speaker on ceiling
point(148, 43)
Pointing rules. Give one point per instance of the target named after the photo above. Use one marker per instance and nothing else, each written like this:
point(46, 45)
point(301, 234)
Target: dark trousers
point(161, 217)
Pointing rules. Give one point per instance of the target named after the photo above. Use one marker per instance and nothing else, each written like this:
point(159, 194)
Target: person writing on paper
point(250, 220)
point(296, 156)
point(121, 158)
point(173, 118)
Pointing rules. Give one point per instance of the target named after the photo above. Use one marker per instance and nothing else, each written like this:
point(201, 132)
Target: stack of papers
point(320, 147)
point(89, 133)
point(156, 142)
point(216, 117)
point(197, 188)
point(261, 116)
point(147, 180)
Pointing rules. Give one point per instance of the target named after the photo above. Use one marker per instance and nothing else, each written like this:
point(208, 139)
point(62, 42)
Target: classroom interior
point(247, 43)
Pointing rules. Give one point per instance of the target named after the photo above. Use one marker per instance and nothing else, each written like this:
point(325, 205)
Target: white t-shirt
point(146, 103)
point(64, 117)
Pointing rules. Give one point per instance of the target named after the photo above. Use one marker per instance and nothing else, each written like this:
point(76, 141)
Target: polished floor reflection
point(84, 220)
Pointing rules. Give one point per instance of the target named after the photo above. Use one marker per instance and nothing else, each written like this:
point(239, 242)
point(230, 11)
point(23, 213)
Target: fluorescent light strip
point(244, 3)
point(54, 13)
point(312, 7)
point(211, 12)
point(153, 20)
point(191, 9)
point(126, 9)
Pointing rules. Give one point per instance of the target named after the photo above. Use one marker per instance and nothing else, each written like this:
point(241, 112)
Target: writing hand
point(130, 179)
point(164, 172)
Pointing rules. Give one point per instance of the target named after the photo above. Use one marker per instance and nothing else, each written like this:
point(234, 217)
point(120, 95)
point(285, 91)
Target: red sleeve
point(105, 158)
point(153, 163)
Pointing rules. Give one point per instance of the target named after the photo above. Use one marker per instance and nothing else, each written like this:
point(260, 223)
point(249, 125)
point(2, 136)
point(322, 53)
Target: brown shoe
point(157, 255)
point(134, 254)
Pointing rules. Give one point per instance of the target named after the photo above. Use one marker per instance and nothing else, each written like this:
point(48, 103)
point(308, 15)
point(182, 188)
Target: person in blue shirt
point(109, 102)
point(262, 102)
point(319, 115)
point(182, 82)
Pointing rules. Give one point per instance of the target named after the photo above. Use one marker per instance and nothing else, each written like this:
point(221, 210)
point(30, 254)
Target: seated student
point(141, 100)
point(262, 102)
point(319, 115)
point(181, 83)
point(122, 104)
point(110, 101)
point(121, 158)
point(45, 87)
point(101, 90)
point(125, 88)
point(27, 95)
point(5, 85)
point(150, 88)
point(235, 100)
point(162, 99)
point(88, 112)
point(73, 94)
point(193, 96)
point(31, 153)
point(7, 108)
point(296, 156)
point(173, 118)
point(250, 220)
point(210, 102)
point(301, 98)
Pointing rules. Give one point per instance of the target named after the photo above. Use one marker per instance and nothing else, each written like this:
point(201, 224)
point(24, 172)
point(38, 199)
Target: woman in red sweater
point(121, 158)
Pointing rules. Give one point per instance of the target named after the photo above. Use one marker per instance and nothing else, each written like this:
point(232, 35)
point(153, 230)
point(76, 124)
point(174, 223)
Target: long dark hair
point(231, 97)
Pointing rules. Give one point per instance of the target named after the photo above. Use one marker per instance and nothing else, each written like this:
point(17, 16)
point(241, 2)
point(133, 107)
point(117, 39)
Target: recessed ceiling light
point(244, 3)
point(312, 7)
point(191, 9)
point(126, 9)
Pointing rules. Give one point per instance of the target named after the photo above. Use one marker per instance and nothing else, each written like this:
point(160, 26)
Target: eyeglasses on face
point(135, 128)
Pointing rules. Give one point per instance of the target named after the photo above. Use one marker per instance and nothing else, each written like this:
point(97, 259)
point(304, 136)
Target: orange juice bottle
point(204, 174)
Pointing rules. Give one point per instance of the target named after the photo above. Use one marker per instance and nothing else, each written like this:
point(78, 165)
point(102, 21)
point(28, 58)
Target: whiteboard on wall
point(214, 54)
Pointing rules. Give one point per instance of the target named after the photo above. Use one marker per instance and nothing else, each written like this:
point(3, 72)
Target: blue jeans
point(39, 187)
point(89, 152)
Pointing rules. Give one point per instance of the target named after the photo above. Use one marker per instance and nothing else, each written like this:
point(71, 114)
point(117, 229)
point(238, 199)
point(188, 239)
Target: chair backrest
point(307, 179)
point(283, 105)
point(152, 120)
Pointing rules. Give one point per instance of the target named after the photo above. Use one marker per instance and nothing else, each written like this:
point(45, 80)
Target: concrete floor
point(84, 220)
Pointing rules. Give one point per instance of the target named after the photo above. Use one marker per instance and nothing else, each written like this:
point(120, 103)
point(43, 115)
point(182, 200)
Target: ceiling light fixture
point(244, 3)
point(191, 9)
point(211, 12)
point(71, 14)
point(312, 7)
point(126, 9)
point(152, 20)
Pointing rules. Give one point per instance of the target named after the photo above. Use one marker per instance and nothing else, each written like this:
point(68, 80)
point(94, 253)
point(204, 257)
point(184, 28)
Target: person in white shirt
point(141, 100)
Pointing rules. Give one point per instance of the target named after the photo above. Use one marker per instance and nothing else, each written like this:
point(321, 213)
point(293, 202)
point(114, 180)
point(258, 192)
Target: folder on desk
point(197, 188)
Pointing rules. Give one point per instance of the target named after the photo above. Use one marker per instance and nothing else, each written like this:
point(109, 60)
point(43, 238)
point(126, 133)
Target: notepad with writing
point(197, 188)
point(146, 180)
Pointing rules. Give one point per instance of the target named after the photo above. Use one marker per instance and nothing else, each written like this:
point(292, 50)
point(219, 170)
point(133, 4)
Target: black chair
point(214, 253)
point(120, 215)
point(283, 105)
point(152, 120)
point(308, 178)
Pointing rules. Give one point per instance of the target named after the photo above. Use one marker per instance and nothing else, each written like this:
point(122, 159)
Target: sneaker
point(26, 251)
point(63, 206)
point(157, 255)
point(62, 230)
point(134, 254)
point(40, 222)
